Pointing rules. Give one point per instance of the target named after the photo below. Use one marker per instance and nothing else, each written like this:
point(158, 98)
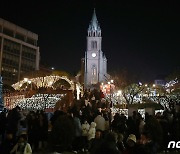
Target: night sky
point(141, 37)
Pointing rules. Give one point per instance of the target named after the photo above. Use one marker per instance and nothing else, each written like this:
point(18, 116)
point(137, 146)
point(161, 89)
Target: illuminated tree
point(131, 91)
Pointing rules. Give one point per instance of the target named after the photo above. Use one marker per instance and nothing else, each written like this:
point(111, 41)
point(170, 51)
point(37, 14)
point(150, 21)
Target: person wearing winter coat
point(100, 122)
point(92, 131)
point(85, 128)
point(22, 147)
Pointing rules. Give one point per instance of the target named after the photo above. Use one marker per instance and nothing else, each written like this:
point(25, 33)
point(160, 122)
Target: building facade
point(95, 70)
point(19, 52)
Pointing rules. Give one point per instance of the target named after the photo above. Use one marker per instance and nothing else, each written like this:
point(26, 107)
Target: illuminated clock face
point(93, 55)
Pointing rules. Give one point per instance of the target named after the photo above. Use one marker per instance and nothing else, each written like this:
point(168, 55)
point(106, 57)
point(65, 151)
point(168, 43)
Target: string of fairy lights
point(11, 101)
point(126, 113)
point(40, 101)
point(45, 82)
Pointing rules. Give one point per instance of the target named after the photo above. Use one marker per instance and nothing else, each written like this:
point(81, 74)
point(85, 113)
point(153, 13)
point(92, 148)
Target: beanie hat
point(132, 137)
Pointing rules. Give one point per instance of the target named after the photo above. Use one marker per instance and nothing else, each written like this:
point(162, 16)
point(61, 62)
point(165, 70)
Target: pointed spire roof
point(94, 18)
point(94, 22)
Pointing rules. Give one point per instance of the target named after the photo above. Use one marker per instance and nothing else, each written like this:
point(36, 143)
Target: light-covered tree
point(131, 91)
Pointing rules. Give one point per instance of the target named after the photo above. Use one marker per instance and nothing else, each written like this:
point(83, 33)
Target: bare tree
point(131, 91)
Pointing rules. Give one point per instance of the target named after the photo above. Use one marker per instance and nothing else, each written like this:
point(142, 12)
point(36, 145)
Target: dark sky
point(142, 37)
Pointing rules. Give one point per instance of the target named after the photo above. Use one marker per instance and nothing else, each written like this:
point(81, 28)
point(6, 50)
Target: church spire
point(94, 21)
point(94, 29)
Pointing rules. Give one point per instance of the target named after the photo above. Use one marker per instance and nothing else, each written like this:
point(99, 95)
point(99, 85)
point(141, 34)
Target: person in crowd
point(141, 124)
point(77, 124)
point(56, 115)
point(96, 142)
point(92, 131)
point(22, 147)
point(3, 122)
point(131, 147)
point(109, 145)
point(147, 145)
point(33, 131)
point(115, 122)
point(22, 127)
point(100, 122)
point(119, 124)
point(85, 128)
point(43, 133)
point(120, 142)
point(107, 125)
point(7, 144)
point(154, 131)
point(62, 134)
point(78, 141)
point(13, 120)
point(131, 126)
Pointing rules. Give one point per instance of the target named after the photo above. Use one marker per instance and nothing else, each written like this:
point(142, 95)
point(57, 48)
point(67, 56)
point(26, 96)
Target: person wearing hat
point(131, 140)
point(131, 147)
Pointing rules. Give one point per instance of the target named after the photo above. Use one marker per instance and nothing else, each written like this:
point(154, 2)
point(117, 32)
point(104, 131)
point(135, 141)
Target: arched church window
point(94, 74)
point(93, 44)
point(94, 71)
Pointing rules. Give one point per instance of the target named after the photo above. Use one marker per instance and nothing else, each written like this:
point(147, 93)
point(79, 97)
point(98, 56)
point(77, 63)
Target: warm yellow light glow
point(119, 92)
point(25, 79)
point(43, 81)
point(50, 83)
point(78, 91)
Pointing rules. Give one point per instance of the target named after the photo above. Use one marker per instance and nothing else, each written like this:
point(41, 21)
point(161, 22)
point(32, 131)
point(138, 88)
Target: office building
point(19, 52)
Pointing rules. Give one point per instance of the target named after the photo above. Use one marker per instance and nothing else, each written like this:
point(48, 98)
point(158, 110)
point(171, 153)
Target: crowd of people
point(87, 127)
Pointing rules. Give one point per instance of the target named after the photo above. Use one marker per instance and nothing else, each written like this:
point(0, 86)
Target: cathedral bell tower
point(95, 60)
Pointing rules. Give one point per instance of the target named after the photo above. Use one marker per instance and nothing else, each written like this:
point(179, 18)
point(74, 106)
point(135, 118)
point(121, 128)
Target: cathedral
point(95, 62)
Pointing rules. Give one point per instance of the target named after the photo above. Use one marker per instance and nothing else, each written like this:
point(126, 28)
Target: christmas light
point(159, 111)
point(142, 112)
point(10, 101)
point(39, 101)
point(115, 110)
point(45, 82)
